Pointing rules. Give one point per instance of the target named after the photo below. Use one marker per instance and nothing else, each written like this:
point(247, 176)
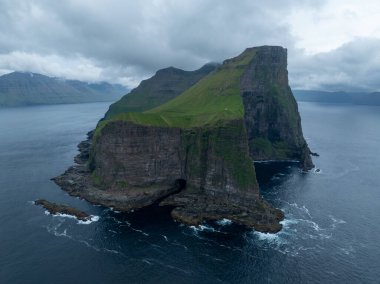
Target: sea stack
point(195, 150)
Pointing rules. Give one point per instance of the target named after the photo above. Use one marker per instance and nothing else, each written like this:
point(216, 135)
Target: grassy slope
point(213, 99)
point(164, 86)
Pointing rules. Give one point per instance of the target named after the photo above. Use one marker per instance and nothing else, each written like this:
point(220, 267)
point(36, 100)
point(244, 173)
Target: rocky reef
point(54, 208)
point(194, 152)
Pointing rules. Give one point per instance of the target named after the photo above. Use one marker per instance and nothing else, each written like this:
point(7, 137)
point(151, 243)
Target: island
point(192, 144)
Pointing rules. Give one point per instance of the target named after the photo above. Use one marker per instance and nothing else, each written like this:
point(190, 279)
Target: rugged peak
point(209, 66)
point(169, 70)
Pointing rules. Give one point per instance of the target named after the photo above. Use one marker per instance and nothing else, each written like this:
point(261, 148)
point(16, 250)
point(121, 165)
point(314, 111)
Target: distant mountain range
point(21, 88)
point(359, 98)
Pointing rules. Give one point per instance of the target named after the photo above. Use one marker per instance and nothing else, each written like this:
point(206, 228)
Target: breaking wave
point(92, 218)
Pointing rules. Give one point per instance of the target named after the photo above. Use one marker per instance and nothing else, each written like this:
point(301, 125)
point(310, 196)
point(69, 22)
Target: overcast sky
point(332, 44)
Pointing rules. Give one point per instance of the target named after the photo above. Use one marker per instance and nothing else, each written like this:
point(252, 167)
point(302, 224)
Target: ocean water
point(331, 232)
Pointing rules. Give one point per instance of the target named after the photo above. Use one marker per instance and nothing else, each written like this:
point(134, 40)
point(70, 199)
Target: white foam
point(286, 222)
point(62, 215)
point(224, 222)
point(267, 236)
point(91, 220)
point(306, 210)
point(165, 237)
point(202, 228)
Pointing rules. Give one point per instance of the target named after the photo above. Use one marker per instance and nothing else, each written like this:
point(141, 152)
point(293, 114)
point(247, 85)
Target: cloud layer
point(126, 41)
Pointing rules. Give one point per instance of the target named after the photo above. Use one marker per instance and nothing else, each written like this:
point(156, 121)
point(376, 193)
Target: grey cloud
point(126, 41)
point(355, 66)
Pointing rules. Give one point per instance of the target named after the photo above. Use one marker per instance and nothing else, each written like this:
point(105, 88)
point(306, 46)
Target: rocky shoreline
point(189, 207)
point(77, 181)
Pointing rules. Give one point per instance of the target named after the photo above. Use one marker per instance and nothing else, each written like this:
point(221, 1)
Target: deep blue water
point(331, 232)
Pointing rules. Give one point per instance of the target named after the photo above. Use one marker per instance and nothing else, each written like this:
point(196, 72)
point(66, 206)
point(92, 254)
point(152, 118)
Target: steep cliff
point(195, 151)
point(271, 112)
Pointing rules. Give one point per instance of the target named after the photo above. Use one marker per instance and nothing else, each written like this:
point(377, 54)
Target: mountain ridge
point(26, 88)
point(164, 85)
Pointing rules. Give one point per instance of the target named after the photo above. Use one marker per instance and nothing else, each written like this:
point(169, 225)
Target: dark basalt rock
point(314, 154)
point(194, 208)
point(55, 208)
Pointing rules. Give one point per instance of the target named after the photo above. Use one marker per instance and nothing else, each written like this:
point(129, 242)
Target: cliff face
point(271, 113)
point(128, 154)
point(195, 151)
point(147, 164)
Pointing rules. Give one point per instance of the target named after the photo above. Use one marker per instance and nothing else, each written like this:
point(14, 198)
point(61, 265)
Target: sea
point(331, 231)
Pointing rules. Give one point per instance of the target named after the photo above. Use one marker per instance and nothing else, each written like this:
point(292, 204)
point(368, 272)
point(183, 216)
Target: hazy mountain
point(360, 98)
point(20, 88)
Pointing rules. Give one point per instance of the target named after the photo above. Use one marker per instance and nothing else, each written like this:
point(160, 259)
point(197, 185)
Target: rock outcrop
point(195, 152)
point(54, 208)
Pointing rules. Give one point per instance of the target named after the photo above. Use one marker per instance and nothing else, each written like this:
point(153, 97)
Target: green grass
point(214, 98)
point(164, 86)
